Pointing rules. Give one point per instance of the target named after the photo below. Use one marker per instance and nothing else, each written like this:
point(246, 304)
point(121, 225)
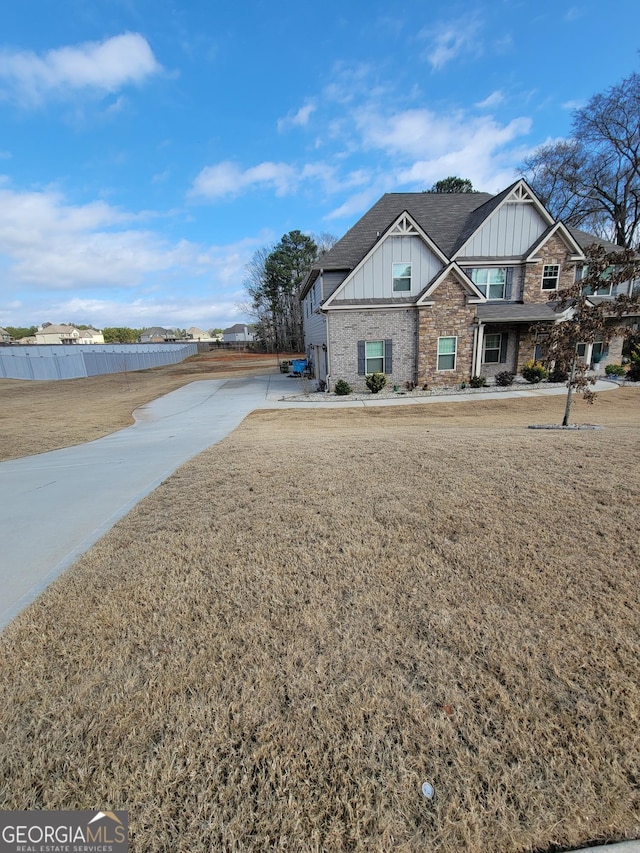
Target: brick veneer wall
point(554, 251)
point(346, 328)
point(450, 316)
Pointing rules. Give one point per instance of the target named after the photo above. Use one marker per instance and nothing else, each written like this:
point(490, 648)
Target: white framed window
point(490, 281)
point(447, 350)
point(550, 275)
point(374, 357)
point(492, 348)
point(401, 278)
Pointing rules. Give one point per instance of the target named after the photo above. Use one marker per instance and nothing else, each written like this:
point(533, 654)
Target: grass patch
point(277, 647)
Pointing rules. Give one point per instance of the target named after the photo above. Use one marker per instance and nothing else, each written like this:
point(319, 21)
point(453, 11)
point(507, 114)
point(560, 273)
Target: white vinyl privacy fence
point(78, 360)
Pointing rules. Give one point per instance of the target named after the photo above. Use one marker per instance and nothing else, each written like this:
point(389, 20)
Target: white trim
point(568, 240)
point(463, 279)
point(557, 277)
point(361, 307)
point(438, 353)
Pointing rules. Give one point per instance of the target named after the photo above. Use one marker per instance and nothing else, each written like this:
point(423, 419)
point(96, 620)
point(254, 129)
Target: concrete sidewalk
point(55, 505)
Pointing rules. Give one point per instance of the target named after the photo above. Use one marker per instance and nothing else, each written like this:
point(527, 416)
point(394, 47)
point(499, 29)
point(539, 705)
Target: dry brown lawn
point(39, 416)
point(276, 648)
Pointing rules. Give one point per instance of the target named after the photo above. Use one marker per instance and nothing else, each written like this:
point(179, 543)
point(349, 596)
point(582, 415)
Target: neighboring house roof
point(236, 329)
point(59, 329)
point(155, 330)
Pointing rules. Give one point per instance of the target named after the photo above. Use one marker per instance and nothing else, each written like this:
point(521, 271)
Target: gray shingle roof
point(516, 313)
point(443, 216)
point(584, 239)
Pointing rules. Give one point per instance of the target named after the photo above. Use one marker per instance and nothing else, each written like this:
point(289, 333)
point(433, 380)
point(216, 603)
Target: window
point(550, 275)
point(492, 348)
point(401, 278)
point(447, 353)
point(603, 289)
point(375, 357)
point(490, 282)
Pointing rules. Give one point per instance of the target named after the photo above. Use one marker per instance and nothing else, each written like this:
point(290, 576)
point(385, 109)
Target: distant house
point(5, 337)
point(238, 334)
point(157, 335)
point(196, 334)
point(64, 334)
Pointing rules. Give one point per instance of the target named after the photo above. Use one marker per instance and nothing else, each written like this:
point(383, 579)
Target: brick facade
point(346, 328)
point(451, 316)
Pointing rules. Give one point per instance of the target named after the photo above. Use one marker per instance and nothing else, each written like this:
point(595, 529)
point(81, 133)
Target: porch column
point(478, 344)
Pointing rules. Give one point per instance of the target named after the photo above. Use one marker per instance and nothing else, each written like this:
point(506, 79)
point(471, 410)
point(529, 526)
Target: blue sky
point(149, 147)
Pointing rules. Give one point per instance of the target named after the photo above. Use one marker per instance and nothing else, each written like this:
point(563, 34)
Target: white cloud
point(49, 244)
point(298, 119)
point(493, 100)
point(140, 313)
point(449, 40)
point(573, 105)
point(104, 66)
point(229, 179)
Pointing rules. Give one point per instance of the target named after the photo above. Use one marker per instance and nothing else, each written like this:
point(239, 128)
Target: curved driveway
point(56, 505)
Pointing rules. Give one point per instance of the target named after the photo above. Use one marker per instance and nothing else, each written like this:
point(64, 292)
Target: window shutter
point(360, 358)
point(504, 342)
point(509, 284)
point(388, 356)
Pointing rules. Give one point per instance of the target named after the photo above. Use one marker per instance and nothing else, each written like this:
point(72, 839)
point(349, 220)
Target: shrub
point(478, 382)
point(410, 385)
point(633, 374)
point(375, 382)
point(504, 378)
point(615, 370)
point(558, 374)
point(534, 372)
point(342, 388)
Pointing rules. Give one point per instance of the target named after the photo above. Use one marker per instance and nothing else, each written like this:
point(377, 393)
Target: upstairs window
point(550, 275)
point(491, 281)
point(401, 278)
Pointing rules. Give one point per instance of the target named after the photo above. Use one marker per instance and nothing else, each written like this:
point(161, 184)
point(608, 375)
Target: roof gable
point(560, 230)
point(463, 280)
point(441, 216)
point(506, 226)
point(404, 241)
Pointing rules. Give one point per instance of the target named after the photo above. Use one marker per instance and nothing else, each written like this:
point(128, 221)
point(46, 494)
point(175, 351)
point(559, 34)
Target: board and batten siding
point(374, 279)
point(507, 234)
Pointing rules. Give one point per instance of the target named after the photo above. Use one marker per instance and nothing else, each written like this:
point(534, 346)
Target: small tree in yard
point(590, 320)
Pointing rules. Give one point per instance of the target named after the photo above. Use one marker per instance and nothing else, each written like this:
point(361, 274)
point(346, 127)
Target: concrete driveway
point(55, 505)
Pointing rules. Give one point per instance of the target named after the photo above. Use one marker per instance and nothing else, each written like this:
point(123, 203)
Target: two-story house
point(436, 288)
